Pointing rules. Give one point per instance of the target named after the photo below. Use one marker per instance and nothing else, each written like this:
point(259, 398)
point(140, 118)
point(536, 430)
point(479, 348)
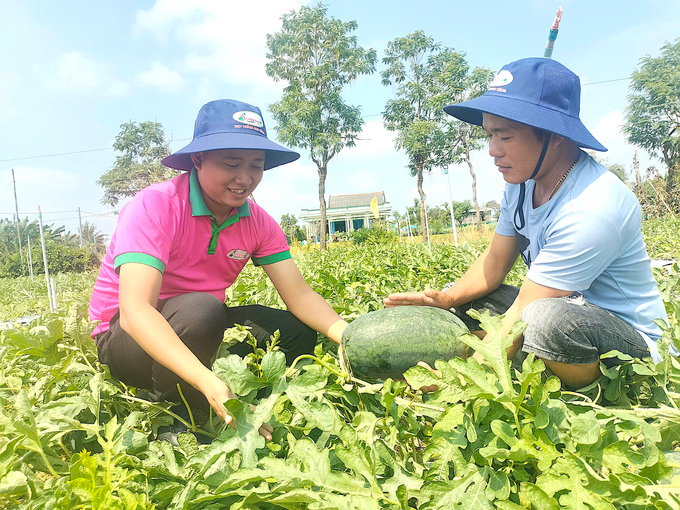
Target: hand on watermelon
point(429, 297)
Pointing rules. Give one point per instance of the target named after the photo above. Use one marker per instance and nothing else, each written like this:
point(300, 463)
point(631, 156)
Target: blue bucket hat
point(538, 92)
point(229, 124)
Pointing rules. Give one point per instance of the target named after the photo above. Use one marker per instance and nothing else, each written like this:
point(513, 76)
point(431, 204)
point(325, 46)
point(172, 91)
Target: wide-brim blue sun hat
point(538, 92)
point(230, 124)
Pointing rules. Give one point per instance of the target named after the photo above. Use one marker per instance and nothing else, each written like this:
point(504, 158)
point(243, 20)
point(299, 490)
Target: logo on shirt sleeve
point(238, 254)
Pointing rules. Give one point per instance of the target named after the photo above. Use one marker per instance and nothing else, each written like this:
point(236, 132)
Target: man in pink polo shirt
point(179, 245)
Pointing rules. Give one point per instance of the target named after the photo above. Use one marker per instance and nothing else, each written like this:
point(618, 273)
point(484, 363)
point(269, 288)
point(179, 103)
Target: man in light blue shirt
point(589, 288)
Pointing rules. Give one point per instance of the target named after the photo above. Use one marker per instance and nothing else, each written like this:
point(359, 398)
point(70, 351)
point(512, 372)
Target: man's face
point(513, 146)
point(227, 177)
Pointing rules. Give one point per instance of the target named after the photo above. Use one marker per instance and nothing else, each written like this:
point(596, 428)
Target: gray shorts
point(565, 329)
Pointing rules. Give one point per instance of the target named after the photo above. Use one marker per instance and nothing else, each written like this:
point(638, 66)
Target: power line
point(604, 81)
point(73, 152)
point(184, 139)
point(56, 154)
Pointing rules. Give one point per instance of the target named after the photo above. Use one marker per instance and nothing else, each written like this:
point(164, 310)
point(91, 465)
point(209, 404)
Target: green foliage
point(317, 57)
point(427, 77)
point(143, 146)
point(493, 435)
point(289, 224)
point(379, 233)
point(60, 258)
point(652, 115)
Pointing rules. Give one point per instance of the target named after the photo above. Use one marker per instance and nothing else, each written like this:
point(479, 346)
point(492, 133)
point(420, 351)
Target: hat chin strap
point(519, 210)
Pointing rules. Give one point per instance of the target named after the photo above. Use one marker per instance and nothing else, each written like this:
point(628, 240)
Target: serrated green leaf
point(585, 428)
point(233, 370)
point(273, 366)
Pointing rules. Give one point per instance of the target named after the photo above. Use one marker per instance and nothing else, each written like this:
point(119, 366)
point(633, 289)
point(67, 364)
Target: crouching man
point(589, 287)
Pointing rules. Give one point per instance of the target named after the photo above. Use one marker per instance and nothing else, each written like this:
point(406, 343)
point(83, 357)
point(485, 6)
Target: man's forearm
point(482, 277)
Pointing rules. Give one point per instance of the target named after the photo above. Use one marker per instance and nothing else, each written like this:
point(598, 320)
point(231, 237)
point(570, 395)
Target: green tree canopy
point(317, 57)
point(289, 225)
point(143, 146)
point(427, 77)
point(652, 119)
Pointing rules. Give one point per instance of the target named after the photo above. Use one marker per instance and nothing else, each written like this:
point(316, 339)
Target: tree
point(461, 210)
point(317, 57)
point(468, 137)
point(143, 146)
point(429, 76)
point(94, 238)
point(652, 119)
point(618, 171)
point(289, 225)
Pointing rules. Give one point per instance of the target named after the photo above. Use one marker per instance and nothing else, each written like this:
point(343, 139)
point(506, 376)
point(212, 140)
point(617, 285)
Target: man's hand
point(217, 394)
point(428, 297)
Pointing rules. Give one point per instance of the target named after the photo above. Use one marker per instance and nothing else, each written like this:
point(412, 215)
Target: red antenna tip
point(558, 18)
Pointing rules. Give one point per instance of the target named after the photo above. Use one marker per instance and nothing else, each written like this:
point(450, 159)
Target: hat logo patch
point(501, 79)
point(250, 118)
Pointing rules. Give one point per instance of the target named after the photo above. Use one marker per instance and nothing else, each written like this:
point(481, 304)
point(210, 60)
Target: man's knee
point(545, 315)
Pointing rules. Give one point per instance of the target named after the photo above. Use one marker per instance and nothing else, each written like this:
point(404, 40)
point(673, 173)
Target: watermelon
point(387, 342)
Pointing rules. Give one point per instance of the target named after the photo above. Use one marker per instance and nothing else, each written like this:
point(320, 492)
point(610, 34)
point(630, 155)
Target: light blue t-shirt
point(587, 239)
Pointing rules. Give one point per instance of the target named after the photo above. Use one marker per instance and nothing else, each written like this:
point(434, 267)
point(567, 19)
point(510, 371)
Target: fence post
point(44, 254)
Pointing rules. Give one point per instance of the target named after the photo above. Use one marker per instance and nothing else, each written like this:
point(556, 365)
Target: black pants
point(199, 319)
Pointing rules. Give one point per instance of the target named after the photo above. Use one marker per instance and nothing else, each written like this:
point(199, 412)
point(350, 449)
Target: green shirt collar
point(198, 207)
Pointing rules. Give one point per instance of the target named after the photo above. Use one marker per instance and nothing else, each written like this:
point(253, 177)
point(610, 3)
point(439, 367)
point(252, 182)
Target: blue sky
point(72, 72)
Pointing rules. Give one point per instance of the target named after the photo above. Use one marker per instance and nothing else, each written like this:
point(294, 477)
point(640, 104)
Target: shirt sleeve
point(273, 245)
point(504, 226)
point(145, 231)
point(579, 246)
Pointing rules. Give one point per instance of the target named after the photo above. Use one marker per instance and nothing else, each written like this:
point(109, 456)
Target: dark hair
point(540, 134)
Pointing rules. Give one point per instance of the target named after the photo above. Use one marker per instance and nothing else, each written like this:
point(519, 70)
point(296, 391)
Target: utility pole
point(16, 205)
point(80, 228)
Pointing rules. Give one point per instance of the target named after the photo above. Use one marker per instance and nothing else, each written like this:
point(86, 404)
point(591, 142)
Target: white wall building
point(346, 213)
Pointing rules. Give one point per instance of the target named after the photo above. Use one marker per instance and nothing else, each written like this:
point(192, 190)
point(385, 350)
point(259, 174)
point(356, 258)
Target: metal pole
point(16, 205)
point(453, 219)
point(30, 258)
point(53, 292)
point(408, 214)
point(80, 228)
point(44, 254)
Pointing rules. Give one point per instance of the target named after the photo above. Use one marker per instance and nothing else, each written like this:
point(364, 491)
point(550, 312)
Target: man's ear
point(555, 138)
point(197, 158)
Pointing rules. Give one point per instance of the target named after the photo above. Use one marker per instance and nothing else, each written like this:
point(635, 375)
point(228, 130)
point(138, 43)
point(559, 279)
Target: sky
point(71, 72)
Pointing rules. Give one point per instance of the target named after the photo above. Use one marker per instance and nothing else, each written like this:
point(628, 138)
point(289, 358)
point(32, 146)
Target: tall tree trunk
point(673, 166)
point(323, 170)
point(423, 225)
point(474, 186)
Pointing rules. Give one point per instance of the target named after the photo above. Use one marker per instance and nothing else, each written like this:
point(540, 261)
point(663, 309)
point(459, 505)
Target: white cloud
point(223, 39)
point(79, 73)
point(365, 182)
point(160, 77)
point(374, 140)
point(609, 128)
point(295, 170)
point(608, 132)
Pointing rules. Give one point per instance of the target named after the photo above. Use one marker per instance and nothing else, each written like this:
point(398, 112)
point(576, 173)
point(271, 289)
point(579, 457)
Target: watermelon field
point(491, 436)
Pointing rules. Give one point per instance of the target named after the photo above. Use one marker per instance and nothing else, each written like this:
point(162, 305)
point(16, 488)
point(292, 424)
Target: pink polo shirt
point(169, 227)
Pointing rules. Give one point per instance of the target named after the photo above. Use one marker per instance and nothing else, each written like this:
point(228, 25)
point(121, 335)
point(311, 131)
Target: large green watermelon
point(386, 343)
